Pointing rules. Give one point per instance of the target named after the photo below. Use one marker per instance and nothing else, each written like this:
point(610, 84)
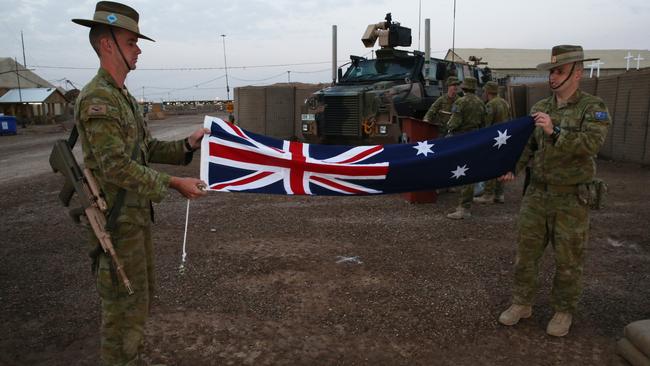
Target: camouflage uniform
point(497, 110)
point(551, 209)
point(111, 126)
point(435, 113)
point(467, 114)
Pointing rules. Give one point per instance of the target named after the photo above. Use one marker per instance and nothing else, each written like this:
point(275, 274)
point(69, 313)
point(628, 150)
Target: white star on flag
point(459, 172)
point(501, 139)
point(423, 148)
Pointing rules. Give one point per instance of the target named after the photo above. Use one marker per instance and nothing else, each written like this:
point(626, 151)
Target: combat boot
point(515, 313)
point(486, 198)
point(499, 199)
point(460, 213)
point(559, 324)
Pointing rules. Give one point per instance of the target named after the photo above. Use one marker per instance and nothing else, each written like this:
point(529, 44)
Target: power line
point(188, 68)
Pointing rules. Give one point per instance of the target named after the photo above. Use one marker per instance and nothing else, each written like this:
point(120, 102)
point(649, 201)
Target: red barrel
point(418, 130)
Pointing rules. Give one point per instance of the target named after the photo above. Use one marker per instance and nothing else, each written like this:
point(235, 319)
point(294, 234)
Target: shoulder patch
point(600, 116)
point(97, 110)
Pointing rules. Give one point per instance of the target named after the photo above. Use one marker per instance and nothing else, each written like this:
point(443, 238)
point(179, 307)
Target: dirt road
point(267, 282)
point(25, 155)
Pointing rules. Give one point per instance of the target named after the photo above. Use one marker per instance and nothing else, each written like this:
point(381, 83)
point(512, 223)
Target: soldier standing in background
point(467, 114)
point(497, 110)
point(118, 148)
point(440, 111)
point(571, 128)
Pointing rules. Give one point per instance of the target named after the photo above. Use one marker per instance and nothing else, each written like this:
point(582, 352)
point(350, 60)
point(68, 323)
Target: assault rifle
point(93, 205)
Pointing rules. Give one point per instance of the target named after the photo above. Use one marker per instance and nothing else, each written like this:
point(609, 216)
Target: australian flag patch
point(600, 116)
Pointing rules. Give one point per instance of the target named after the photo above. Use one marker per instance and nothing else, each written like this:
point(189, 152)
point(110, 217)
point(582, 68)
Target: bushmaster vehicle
point(367, 104)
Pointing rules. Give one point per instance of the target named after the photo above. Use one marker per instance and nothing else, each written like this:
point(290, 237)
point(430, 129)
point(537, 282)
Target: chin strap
point(573, 66)
point(120, 49)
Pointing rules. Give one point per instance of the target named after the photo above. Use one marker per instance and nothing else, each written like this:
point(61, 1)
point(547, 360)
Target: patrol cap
point(452, 80)
point(114, 15)
point(564, 54)
point(469, 83)
point(491, 87)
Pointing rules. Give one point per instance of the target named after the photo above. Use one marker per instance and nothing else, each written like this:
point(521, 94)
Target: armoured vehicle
point(369, 101)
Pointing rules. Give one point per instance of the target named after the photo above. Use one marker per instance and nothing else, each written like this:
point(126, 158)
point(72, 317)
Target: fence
point(627, 97)
point(273, 110)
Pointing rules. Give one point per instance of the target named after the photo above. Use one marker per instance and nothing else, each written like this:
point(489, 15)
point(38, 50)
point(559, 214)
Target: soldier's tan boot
point(514, 313)
point(460, 213)
point(559, 324)
point(499, 199)
point(485, 199)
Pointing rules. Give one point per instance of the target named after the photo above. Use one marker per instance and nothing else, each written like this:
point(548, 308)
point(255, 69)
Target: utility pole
point(225, 66)
point(20, 93)
point(453, 37)
point(289, 76)
point(419, 22)
point(22, 40)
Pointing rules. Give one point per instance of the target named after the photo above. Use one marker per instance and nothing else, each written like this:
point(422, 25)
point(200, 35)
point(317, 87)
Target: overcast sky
point(297, 35)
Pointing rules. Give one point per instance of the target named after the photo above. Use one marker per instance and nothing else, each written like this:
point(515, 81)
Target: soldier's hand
point(508, 177)
point(195, 138)
point(543, 121)
point(188, 187)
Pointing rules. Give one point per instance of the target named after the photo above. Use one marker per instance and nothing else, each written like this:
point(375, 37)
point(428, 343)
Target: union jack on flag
point(236, 160)
point(239, 160)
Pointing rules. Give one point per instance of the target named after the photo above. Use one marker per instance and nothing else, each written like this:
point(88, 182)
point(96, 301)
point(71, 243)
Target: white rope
point(181, 268)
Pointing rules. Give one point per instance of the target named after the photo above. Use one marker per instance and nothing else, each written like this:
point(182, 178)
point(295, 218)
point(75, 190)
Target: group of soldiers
point(456, 114)
point(118, 149)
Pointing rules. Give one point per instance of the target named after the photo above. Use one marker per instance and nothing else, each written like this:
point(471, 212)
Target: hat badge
point(112, 18)
point(554, 59)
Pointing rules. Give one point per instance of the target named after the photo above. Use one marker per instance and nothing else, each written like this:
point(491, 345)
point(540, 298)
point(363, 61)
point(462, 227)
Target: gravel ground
point(267, 283)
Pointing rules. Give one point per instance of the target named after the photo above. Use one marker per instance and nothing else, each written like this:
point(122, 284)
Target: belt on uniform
point(554, 188)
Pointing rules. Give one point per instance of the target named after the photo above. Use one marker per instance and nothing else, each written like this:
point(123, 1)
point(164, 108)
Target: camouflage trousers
point(559, 219)
point(493, 187)
point(466, 196)
point(123, 315)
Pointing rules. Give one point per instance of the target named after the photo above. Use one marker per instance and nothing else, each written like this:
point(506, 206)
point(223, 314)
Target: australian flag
point(235, 160)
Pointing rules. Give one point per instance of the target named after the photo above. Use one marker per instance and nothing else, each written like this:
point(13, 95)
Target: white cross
point(638, 60)
point(595, 64)
point(628, 58)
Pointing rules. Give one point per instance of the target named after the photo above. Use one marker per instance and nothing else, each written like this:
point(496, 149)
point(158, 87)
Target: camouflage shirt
point(111, 125)
point(569, 160)
point(467, 114)
point(442, 104)
point(496, 110)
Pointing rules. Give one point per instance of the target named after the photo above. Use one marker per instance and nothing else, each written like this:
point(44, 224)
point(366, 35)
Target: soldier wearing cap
point(467, 114)
point(440, 111)
point(571, 128)
point(118, 149)
point(497, 110)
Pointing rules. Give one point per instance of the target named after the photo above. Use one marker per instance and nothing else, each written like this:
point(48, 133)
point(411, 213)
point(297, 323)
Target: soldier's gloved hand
point(188, 187)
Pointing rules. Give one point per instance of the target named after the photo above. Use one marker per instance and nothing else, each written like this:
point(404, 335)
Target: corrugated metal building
point(520, 64)
point(28, 96)
point(33, 104)
point(12, 73)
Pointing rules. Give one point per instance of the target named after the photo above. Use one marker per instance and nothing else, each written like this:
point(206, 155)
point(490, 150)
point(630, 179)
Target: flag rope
point(181, 268)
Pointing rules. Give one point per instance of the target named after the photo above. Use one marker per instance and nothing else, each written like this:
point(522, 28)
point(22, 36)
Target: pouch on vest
point(597, 193)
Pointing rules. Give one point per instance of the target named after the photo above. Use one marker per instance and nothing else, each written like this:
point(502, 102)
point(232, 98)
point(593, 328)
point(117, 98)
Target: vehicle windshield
point(378, 70)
